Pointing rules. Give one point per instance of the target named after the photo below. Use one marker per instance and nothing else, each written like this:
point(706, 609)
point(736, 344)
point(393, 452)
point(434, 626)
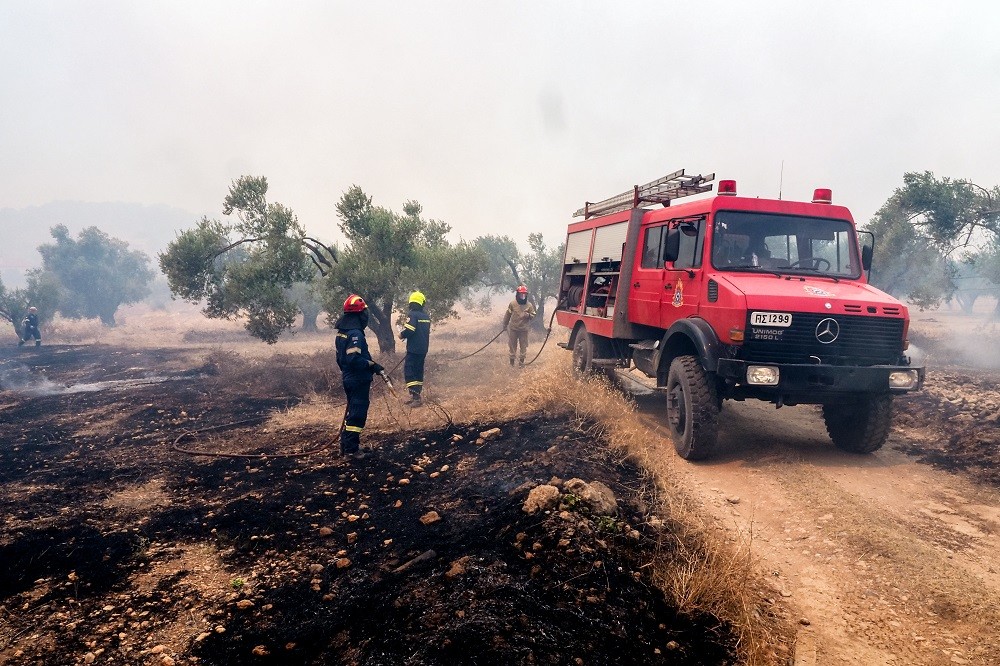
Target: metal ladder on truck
point(660, 191)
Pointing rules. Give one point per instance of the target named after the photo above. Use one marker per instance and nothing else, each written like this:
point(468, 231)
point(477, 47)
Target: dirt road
point(885, 559)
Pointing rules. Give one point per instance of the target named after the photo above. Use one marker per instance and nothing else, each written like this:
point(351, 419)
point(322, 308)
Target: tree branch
point(231, 246)
point(513, 268)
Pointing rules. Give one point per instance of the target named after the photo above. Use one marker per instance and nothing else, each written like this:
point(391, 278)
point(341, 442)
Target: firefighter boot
point(20, 343)
point(511, 360)
point(415, 400)
point(521, 362)
point(38, 343)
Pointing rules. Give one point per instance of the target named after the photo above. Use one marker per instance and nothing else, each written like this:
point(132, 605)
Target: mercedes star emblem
point(827, 331)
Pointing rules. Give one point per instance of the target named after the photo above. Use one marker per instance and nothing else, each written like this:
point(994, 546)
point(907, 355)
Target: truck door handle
point(635, 284)
point(668, 287)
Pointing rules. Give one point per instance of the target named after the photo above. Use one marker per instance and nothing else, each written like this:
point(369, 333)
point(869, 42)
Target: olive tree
point(926, 229)
point(389, 254)
point(246, 269)
point(97, 273)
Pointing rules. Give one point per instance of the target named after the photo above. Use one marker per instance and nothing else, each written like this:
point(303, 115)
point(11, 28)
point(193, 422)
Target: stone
point(541, 498)
point(325, 532)
point(487, 435)
point(595, 494)
point(430, 517)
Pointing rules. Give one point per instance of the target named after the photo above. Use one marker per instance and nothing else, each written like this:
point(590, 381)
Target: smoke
point(18, 378)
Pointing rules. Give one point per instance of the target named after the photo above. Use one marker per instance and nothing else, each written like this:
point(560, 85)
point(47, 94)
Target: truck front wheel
point(860, 427)
point(692, 408)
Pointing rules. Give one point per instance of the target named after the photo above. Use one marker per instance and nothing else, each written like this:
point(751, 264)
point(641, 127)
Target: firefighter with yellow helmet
point(417, 333)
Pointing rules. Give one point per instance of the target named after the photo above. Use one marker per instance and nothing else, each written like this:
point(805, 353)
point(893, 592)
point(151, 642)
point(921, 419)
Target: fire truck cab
point(731, 297)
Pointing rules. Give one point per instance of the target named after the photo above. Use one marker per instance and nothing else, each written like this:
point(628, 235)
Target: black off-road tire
point(692, 408)
point(861, 427)
point(583, 353)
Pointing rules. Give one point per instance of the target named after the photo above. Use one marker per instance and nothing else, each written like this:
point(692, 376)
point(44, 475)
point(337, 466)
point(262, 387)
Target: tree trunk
point(309, 317)
point(540, 321)
point(381, 325)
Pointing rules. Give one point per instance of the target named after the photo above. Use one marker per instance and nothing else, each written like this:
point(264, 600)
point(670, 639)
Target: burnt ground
point(117, 549)
point(956, 416)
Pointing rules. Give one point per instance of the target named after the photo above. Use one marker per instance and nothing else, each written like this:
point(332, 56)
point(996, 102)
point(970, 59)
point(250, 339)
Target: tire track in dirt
point(889, 560)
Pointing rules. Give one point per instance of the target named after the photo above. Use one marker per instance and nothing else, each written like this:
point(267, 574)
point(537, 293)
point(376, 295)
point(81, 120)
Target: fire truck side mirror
point(672, 245)
point(866, 257)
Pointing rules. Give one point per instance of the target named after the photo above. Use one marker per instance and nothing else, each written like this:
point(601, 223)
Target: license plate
point(771, 319)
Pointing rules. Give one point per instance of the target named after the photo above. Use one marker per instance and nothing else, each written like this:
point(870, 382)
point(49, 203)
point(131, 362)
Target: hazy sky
point(496, 116)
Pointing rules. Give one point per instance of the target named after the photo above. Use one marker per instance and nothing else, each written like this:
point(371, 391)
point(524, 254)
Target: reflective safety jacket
point(353, 357)
point(417, 332)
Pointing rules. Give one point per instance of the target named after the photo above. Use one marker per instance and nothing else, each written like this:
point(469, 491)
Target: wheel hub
point(675, 411)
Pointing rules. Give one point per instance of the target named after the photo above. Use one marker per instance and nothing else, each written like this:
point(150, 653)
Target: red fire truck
point(733, 297)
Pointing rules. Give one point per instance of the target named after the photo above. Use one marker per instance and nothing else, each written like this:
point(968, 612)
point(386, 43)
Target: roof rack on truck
point(660, 191)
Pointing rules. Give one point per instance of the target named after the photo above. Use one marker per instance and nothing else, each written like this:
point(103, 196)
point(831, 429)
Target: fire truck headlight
point(762, 375)
point(903, 379)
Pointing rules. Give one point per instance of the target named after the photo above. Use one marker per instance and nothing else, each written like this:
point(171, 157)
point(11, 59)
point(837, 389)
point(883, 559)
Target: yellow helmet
point(418, 298)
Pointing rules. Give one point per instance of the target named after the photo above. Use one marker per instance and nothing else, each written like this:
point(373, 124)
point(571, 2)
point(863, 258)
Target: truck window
point(651, 248)
point(744, 241)
point(692, 238)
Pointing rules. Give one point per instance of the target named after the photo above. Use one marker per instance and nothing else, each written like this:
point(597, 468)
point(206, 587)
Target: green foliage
point(922, 227)
point(245, 269)
point(97, 273)
point(264, 267)
point(389, 255)
point(539, 269)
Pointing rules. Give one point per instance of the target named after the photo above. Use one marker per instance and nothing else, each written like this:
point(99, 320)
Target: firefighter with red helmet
point(357, 368)
point(516, 322)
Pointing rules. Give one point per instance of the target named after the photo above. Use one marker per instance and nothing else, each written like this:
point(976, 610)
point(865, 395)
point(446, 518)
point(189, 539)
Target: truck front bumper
point(814, 383)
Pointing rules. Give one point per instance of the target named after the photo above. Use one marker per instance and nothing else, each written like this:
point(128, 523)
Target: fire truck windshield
point(786, 244)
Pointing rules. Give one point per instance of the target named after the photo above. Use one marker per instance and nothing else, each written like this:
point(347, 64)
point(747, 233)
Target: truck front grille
point(859, 340)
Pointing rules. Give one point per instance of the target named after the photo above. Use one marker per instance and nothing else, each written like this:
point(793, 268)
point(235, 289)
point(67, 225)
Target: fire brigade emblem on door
point(678, 295)
point(827, 330)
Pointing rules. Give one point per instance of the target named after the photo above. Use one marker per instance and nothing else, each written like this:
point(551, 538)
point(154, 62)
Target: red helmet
point(522, 289)
point(354, 303)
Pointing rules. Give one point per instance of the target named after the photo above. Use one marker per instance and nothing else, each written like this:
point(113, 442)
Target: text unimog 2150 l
point(733, 297)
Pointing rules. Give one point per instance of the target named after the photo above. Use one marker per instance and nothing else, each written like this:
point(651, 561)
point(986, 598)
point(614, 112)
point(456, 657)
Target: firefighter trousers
point(413, 372)
point(358, 399)
point(514, 339)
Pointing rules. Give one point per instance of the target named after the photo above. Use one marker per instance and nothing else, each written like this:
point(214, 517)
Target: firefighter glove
point(377, 369)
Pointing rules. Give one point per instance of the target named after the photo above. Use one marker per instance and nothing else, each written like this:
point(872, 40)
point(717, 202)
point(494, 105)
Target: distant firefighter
point(516, 322)
point(29, 328)
point(417, 333)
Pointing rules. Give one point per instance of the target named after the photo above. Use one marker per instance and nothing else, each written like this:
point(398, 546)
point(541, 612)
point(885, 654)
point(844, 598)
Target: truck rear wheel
point(583, 353)
point(860, 427)
point(692, 408)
